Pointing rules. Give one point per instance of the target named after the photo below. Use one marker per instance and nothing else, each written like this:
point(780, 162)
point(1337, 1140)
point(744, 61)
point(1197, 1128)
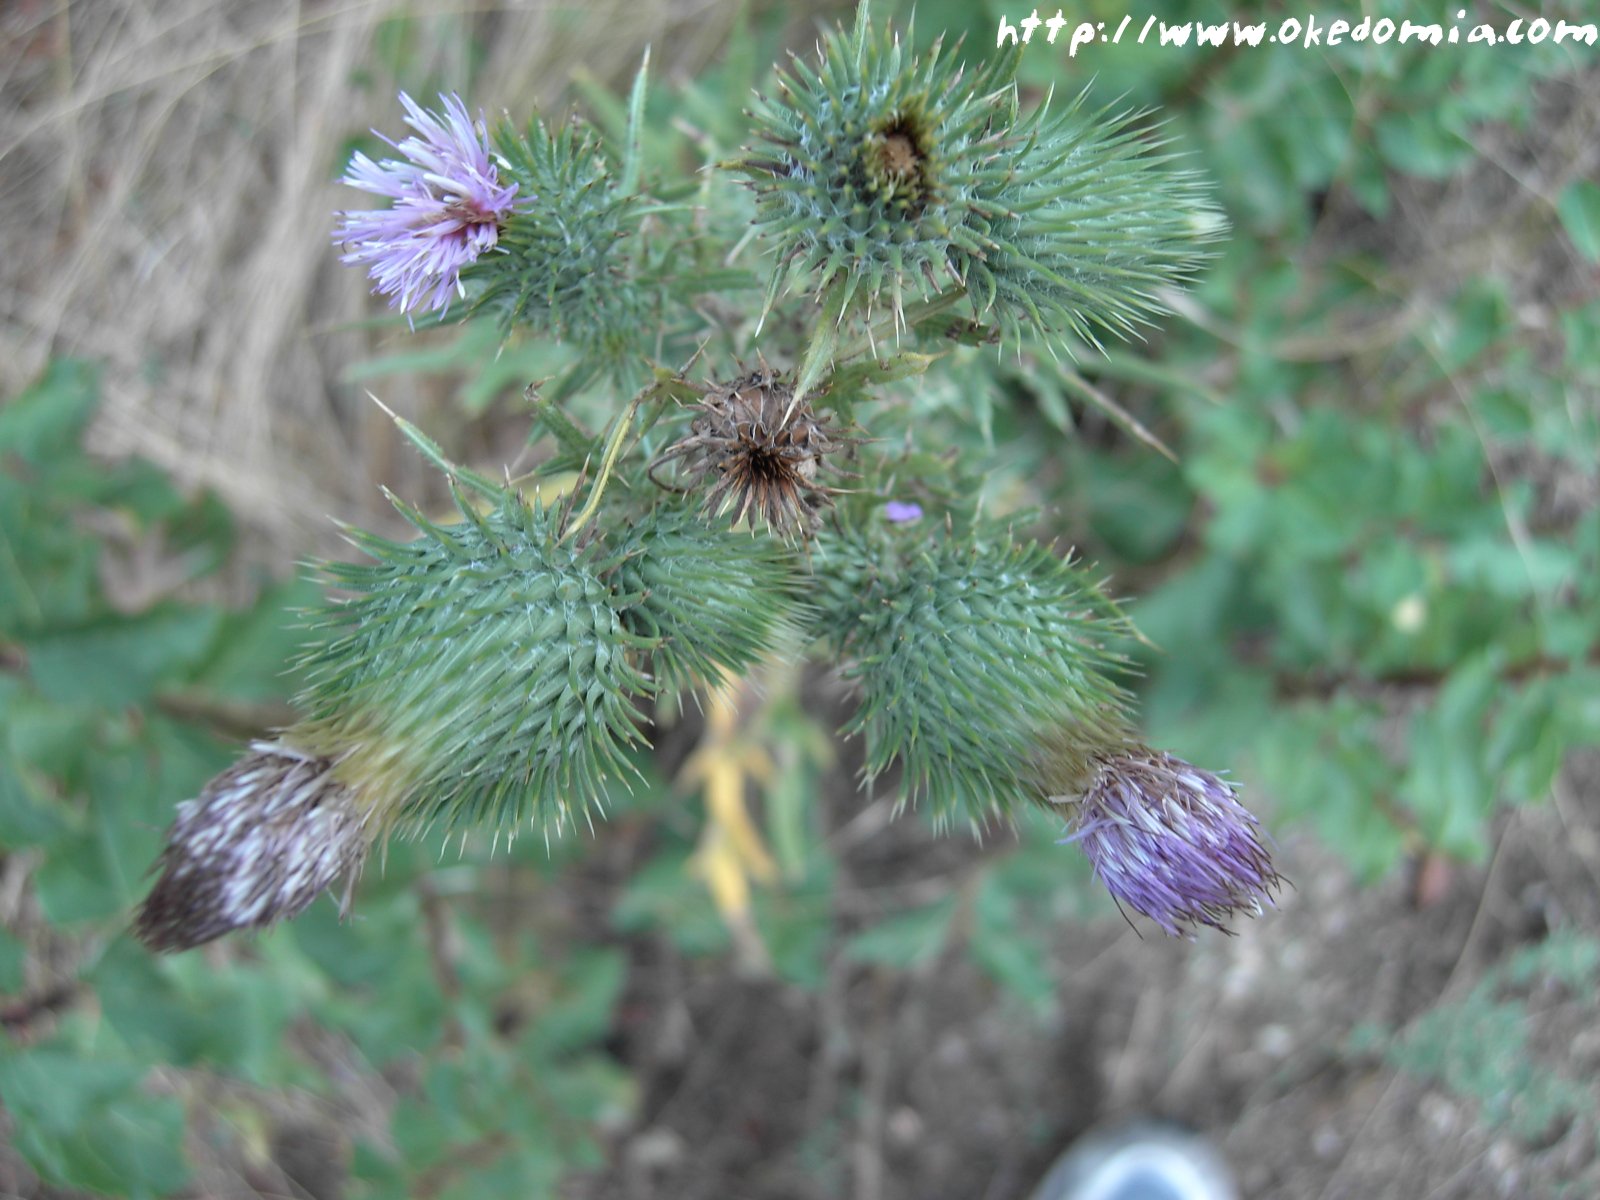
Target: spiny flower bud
point(968, 649)
point(478, 675)
point(715, 602)
point(566, 264)
point(1093, 221)
point(866, 169)
point(761, 449)
point(1170, 840)
point(258, 845)
point(883, 175)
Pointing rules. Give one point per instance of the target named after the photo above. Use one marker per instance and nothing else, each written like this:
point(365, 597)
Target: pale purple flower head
point(903, 511)
point(449, 206)
point(1170, 840)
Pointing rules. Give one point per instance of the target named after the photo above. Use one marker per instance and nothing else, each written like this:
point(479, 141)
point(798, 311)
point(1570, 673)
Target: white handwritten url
point(1292, 32)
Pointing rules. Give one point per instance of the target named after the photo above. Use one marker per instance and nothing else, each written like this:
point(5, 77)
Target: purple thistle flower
point(1170, 841)
point(260, 843)
point(902, 511)
point(449, 206)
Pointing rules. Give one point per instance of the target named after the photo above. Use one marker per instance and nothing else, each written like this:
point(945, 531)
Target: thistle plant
point(497, 668)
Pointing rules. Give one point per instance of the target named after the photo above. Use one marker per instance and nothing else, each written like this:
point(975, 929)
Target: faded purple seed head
point(449, 206)
point(1170, 840)
point(258, 845)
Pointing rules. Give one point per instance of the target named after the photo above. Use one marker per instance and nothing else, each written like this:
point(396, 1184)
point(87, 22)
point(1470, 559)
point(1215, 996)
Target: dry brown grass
point(167, 185)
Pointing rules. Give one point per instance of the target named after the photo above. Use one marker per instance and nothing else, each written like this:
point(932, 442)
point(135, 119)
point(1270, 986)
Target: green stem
point(608, 462)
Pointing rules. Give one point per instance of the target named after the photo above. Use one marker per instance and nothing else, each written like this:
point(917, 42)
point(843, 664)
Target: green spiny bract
point(867, 169)
point(478, 675)
point(716, 601)
point(1094, 223)
point(982, 661)
point(879, 173)
point(563, 258)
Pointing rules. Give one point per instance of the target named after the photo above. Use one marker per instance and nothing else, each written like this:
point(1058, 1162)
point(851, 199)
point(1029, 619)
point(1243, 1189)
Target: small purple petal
point(449, 207)
point(902, 511)
point(1170, 840)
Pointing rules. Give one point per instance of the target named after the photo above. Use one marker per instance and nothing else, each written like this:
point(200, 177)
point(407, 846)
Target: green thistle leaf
point(982, 661)
point(479, 674)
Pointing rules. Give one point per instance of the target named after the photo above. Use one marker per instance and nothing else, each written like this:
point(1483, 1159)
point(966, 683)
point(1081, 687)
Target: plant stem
point(608, 462)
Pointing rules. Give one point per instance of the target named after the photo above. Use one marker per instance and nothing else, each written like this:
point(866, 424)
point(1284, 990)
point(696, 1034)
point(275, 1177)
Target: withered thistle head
point(258, 845)
point(760, 449)
point(1170, 840)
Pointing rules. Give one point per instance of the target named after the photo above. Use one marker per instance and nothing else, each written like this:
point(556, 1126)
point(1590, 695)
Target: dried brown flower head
point(761, 450)
point(258, 845)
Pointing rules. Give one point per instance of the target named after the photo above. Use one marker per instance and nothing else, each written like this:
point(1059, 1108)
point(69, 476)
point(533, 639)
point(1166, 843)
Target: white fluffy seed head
point(258, 845)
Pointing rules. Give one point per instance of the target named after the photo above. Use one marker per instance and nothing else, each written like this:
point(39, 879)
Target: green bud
point(562, 262)
point(479, 674)
point(715, 601)
point(977, 658)
point(1092, 224)
point(882, 177)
